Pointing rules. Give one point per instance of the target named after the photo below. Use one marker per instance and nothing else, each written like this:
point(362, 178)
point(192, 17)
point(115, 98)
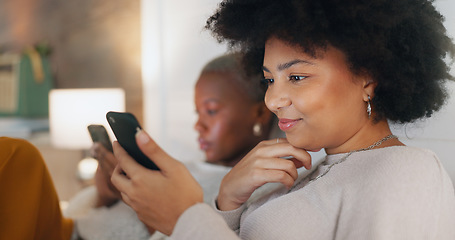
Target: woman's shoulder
point(383, 188)
point(398, 157)
point(403, 166)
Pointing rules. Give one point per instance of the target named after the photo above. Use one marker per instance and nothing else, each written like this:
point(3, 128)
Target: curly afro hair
point(401, 44)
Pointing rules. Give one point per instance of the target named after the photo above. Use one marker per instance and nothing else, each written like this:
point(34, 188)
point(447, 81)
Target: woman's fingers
point(120, 179)
point(270, 161)
point(277, 176)
point(158, 197)
point(106, 159)
point(128, 167)
point(108, 163)
point(107, 193)
point(149, 147)
point(98, 151)
point(279, 164)
point(126, 163)
point(283, 149)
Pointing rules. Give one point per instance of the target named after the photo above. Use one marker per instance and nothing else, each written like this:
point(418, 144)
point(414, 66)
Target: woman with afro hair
point(336, 73)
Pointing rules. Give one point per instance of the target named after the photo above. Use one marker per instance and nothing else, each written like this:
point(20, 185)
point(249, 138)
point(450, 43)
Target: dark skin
point(108, 195)
point(224, 136)
point(226, 115)
point(263, 164)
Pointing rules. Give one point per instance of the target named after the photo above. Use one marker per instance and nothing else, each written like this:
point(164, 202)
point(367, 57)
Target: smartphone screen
point(125, 126)
point(99, 134)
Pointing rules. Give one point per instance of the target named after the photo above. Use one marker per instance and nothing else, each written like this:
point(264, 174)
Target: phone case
point(99, 134)
point(125, 125)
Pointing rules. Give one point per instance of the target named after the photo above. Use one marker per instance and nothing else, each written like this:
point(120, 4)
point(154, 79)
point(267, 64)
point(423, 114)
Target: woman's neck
point(365, 137)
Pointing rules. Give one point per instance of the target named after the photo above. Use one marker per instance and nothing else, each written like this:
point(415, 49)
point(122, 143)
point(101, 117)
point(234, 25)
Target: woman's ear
point(369, 84)
point(368, 89)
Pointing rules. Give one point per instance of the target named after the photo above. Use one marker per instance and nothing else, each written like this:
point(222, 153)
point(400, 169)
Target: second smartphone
point(99, 134)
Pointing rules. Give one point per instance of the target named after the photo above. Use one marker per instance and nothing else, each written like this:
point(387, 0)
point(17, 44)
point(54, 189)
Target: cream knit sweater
point(388, 193)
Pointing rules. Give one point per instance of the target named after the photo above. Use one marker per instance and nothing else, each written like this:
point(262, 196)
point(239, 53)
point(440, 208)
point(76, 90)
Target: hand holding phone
point(99, 134)
point(125, 126)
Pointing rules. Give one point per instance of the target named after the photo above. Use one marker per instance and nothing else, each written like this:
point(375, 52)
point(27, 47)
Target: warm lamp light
point(72, 110)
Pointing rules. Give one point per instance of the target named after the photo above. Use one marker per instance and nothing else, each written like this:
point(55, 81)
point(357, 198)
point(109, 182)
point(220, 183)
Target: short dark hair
point(401, 44)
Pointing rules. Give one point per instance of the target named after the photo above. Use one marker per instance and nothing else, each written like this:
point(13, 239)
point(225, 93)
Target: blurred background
point(150, 50)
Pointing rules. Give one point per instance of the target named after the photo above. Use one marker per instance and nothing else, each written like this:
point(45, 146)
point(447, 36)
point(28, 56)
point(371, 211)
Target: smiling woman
point(337, 73)
point(316, 88)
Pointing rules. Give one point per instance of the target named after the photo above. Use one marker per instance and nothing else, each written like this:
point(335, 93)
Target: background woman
point(232, 119)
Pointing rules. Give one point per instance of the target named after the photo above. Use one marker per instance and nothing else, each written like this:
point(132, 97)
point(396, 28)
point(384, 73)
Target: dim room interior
point(148, 57)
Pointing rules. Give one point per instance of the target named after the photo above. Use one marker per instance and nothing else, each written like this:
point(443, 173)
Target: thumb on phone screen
point(153, 151)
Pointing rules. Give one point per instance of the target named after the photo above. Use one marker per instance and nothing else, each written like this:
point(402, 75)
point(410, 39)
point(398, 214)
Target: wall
point(95, 43)
point(175, 48)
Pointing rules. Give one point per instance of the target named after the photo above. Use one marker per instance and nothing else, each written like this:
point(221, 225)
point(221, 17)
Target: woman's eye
point(296, 78)
point(267, 81)
point(211, 112)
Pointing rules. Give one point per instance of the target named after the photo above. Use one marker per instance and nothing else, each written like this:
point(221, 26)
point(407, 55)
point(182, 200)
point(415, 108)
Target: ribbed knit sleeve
point(203, 223)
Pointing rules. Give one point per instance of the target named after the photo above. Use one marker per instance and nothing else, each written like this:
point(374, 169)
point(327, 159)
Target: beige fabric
point(388, 193)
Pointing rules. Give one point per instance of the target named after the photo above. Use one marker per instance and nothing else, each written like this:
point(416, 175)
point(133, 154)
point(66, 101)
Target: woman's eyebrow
point(287, 65)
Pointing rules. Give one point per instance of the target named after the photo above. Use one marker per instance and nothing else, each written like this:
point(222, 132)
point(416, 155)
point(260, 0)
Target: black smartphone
point(99, 134)
point(125, 126)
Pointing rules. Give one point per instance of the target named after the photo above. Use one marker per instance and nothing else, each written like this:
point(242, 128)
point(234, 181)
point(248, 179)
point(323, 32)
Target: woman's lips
point(203, 145)
point(285, 124)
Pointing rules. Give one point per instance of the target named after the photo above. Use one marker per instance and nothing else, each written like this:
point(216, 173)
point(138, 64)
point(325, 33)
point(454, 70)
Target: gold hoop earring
point(369, 107)
point(257, 129)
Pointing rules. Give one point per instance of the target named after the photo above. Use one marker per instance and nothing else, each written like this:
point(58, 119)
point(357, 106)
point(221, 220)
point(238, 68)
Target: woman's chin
point(298, 143)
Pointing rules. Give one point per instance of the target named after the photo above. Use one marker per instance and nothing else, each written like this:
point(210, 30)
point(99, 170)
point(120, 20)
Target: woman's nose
point(199, 126)
point(277, 97)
